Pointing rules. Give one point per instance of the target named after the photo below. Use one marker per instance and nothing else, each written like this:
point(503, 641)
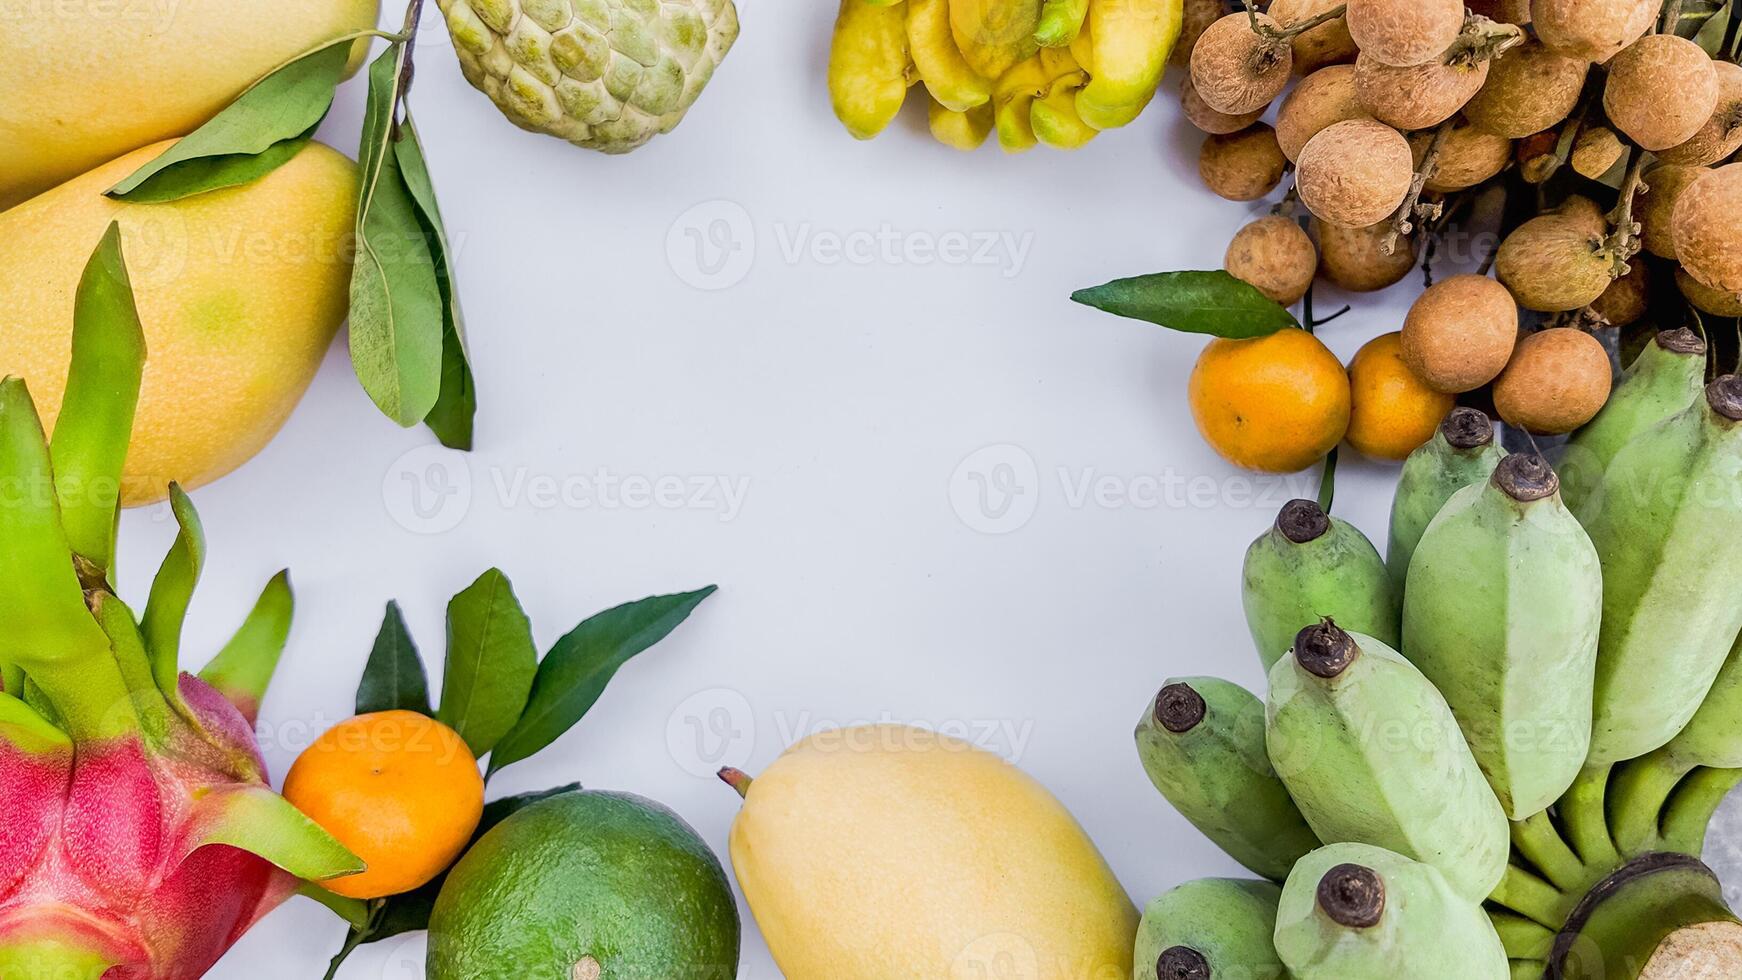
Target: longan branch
point(1482, 39)
point(1623, 241)
point(1403, 221)
point(1292, 31)
point(1672, 17)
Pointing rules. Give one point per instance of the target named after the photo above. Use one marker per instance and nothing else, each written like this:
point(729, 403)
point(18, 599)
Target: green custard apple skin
point(1310, 566)
point(1371, 753)
point(1357, 912)
point(1502, 614)
point(1667, 523)
point(1219, 925)
point(1462, 452)
point(586, 884)
point(1661, 382)
point(604, 74)
point(1202, 743)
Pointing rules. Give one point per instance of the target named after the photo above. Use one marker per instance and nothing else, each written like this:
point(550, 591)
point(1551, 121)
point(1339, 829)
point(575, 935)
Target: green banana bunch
point(1213, 928)
point(1667, 523)
point(1370, 752)
point(1663, 380)
point(1358, 912)
point(1202, 743)
point(1311, 566)
point(1502, 612)
point(1462, 452)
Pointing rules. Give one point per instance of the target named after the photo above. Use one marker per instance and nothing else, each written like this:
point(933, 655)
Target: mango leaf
point(396, 301)
point(96, 417)
point(242, 670)
point(1713, 32)
point(457, 403)
point(578, 667)
point(490, 664)
point(1213, 303)
point(256, 134)
point(394, 678)
point(171, 591)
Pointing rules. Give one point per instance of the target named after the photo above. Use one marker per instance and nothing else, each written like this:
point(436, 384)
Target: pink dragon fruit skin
point(139, 838)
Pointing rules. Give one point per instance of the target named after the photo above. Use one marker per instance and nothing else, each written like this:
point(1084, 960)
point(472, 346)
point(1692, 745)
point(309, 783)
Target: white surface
point(853, 399)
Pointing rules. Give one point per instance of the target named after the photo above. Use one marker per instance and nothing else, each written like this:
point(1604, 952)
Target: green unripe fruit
point(1211, 929)
point(1310, 566)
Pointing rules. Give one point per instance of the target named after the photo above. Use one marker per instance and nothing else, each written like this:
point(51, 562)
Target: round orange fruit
point(1275, 404)
point(398, 788)
point(1394, 412)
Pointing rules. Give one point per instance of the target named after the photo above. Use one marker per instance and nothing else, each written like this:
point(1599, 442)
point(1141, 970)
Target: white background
point(854, 398)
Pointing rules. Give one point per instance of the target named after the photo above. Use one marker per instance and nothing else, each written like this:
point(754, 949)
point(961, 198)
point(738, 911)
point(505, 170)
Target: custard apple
point(604, 74)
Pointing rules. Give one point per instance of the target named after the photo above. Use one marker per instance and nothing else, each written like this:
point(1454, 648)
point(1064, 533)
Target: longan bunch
point(1392, 115)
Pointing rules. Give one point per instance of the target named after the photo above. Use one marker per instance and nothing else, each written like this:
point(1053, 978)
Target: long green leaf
point(396, 303)
point(394, 678)
point(578, 667)
point(171, 591)
point(457, 403)
point(490, 663)
point(1213, 303)
point(243, 670)
point(267, 125)
point(96, 417)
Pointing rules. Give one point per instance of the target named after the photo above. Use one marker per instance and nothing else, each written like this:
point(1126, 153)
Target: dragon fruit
point(139, 837)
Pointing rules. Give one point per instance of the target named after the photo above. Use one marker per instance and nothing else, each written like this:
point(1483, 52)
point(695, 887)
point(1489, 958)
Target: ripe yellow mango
point(239, 291)
point(884, 851)
point(85, 82)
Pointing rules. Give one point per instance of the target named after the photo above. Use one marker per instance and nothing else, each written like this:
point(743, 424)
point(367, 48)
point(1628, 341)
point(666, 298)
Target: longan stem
point(1623, 241)
point(1292, 31)
point(1403, 221)
point(1672, 17)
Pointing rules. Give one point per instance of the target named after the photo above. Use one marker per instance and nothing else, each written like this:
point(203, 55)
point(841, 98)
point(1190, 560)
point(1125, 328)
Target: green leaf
point(1712, 33)
point(172, 590)
point(1213, 303)
point(1328, 481)
point(457, 403)
point(243, 670)
point(354, 911)
point(490, 664)
point(96, 416)
point(396, 303)
point(578, 667)
point(394, 679)
point(267, 125)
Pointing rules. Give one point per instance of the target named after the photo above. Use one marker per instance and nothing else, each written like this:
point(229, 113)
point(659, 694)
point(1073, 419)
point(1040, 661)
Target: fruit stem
point(1540, 843)
point(1289, 33)
point(1629, 918)
point(1623, 242)
point(738, 779)
point(1531, 897)
point(1691, 807)
point(1482, 40)
point(1672, 17)
point(1403, 221)
point(1642, 789)
point(1582, 810)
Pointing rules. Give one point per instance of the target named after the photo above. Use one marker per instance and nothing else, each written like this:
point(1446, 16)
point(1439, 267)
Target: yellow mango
point(884, 851)
point(85, 82)
point(870, 67)
point(239, 291)
point(1129, 51)
point(961, 130)
point(946, 73)
point(993, 35)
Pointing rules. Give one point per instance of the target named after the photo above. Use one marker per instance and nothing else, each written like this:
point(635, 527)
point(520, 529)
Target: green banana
point(1667, 523)
point(1310, 566)
point(1358, 912)
point(1663, 380)
point(1202, 744)
point(1214, 928)
point(1502, 613)
point(1462, 452)
point(1371, 753)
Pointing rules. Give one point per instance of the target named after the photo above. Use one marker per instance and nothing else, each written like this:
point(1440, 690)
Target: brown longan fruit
point(1325, 97)
point(1705, 298)
point(1196, 18)
point(1596, 152)
point(1209, 120)
point(1558, 379)
point(1243, 166)
point(1586, 213)
point(1327, 44)
point(1537, 161)
point(1554, 263)
point(1236, 69)
point(1529, 89)
point(1417, 97)
point(1722, 134)
point(1503, 11)
point(1459, 334)
point(1356, 172)
point(1595, 30)
point(1405, 32)
point(1627, 298)
point(1468, 156)
point(1275, 256)
point(1654, 208)
point(1355, 258)
point(1661, 91)
point(1708, 232)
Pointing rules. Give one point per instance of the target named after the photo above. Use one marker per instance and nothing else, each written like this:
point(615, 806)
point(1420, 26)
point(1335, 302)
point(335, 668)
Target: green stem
point(1625, 925)
point(1541, 844)
point(1531, 897)
point(1692, 806)
point(1523, 939)
point(1529, 969)
point(1636, 803)
point(1587, 823)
